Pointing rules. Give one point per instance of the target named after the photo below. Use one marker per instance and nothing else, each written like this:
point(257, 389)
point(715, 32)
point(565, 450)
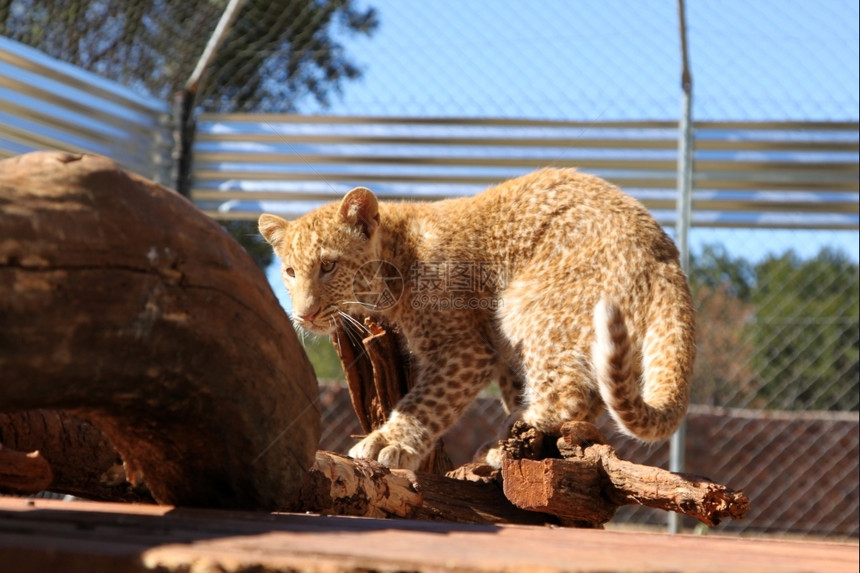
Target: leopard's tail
point(649, 407)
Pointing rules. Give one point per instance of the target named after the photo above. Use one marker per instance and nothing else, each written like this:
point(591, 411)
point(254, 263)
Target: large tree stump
point(121, 303)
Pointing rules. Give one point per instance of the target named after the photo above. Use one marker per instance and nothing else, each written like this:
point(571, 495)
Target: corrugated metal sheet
point(769, 174)
point(48, 104)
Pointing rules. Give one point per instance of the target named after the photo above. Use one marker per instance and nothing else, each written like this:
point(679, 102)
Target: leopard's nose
point(309, 317)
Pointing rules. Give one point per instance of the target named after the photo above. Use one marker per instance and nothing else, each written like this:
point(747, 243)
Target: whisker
point(351, 331)
point(354, 321)
point(359, 303)
point(336, 339)
point(359, 329)
point(303, 334)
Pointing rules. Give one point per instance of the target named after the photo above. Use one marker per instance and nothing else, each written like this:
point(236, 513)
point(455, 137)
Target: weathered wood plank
point(46, 535)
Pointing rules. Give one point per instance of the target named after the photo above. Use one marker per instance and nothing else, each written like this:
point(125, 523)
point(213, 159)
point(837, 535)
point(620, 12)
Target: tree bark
point(82, 459)
point(339, 485)
point(23, 473)
point(591, 482)
point(121, 303)
point(626, 483)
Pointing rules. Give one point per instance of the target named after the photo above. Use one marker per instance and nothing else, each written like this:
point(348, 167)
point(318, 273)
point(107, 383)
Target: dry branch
point(123, 304)
point(591, 482)
point(339, 485)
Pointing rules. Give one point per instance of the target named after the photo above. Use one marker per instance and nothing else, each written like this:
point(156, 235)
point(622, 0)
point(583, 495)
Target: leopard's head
point(322, 254)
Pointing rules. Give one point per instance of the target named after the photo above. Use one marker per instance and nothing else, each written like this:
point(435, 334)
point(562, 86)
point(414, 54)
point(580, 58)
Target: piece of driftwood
point(447, 498)
point(378, 373)
point(577, 478)
point(338, 485)
point(125, 305)
point(591, 482)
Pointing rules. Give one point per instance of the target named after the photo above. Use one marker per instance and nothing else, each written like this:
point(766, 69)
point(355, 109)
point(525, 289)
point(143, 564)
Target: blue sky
point(613, 59)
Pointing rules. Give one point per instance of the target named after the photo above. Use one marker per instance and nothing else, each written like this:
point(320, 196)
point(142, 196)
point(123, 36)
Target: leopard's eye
point(327, 266)
point(290, 272)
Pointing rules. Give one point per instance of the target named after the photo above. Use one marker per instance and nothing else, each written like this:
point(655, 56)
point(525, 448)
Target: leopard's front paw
point(377, 446)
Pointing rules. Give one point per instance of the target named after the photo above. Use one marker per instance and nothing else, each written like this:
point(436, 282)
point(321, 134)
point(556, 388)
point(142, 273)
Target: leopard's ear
point(273, 229)
point(360, 209)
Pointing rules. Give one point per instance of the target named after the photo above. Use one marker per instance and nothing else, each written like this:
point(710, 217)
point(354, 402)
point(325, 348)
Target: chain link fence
point(776, 385)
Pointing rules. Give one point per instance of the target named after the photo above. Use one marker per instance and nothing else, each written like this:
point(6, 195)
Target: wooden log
point(123, 304)
point(592, 482)
point(565, 489)
point(629, 483)
point(89, 467)
point(339, 485)
point(467, 501)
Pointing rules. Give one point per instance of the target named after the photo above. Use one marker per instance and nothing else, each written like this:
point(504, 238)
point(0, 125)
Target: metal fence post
point(185, 99)
point(682, 223)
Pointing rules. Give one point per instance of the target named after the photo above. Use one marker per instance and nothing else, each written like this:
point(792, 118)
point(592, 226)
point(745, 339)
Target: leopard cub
point(557, 285)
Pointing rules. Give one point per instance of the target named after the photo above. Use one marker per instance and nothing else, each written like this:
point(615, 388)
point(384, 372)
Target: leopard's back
point(597, 308)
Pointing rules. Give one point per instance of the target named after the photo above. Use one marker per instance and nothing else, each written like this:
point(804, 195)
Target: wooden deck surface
point(50, 535)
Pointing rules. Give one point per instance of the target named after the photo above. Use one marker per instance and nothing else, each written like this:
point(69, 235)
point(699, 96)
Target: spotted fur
point(576, 303)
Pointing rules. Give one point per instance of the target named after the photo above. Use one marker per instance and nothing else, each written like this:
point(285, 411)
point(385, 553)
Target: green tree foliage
point(323, 357)
point(806, 331)
point(721, 287)
point(779, 334)
point(717, 269)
